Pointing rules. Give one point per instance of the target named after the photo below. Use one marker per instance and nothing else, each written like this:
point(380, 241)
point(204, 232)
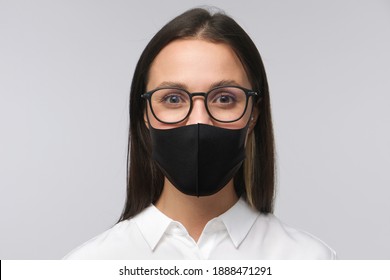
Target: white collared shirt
point(239, 233)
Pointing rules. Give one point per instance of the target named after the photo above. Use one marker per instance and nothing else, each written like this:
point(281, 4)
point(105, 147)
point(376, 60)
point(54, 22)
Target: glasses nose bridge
point(198, 94)
point(195, 94)
point(201, 115)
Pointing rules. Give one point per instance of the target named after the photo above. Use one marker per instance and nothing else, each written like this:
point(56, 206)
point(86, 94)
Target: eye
point(170, 97)
point(173, 99)
point(222, 96)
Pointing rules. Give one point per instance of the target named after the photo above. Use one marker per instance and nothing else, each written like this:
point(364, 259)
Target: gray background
point(65, 73)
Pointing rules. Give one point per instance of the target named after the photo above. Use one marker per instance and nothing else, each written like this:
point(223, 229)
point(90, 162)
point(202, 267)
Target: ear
point(146, 119)
point(253, 119)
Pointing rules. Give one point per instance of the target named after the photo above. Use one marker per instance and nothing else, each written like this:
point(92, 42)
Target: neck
point(194, 212)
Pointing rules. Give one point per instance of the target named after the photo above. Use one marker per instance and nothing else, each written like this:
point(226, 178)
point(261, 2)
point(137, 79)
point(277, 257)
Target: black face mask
point(199, 159)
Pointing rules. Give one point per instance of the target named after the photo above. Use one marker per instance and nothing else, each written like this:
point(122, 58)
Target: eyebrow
point(172, 84)
point(213, 85)
point(224, 83)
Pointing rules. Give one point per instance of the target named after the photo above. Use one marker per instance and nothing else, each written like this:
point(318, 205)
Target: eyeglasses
point(224, 104)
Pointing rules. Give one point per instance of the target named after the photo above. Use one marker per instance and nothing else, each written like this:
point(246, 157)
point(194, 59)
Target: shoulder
point(134, 238)
point(285, 242)
point(116, 242)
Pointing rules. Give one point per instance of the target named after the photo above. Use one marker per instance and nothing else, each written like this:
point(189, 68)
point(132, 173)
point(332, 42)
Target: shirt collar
point(152, 223)
point(238, 220)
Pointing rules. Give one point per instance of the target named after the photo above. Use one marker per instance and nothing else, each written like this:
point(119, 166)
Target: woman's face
point(197, 66)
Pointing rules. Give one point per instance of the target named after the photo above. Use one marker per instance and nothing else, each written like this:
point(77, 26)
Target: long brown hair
point(256, 178)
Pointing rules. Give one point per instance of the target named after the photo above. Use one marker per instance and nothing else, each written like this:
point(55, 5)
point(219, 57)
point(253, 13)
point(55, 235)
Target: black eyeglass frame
point(248, 93)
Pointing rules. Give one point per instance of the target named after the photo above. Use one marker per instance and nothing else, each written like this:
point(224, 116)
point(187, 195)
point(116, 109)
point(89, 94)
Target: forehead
point(197, 64)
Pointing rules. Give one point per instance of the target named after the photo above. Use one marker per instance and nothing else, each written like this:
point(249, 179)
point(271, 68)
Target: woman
point(201, 153)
